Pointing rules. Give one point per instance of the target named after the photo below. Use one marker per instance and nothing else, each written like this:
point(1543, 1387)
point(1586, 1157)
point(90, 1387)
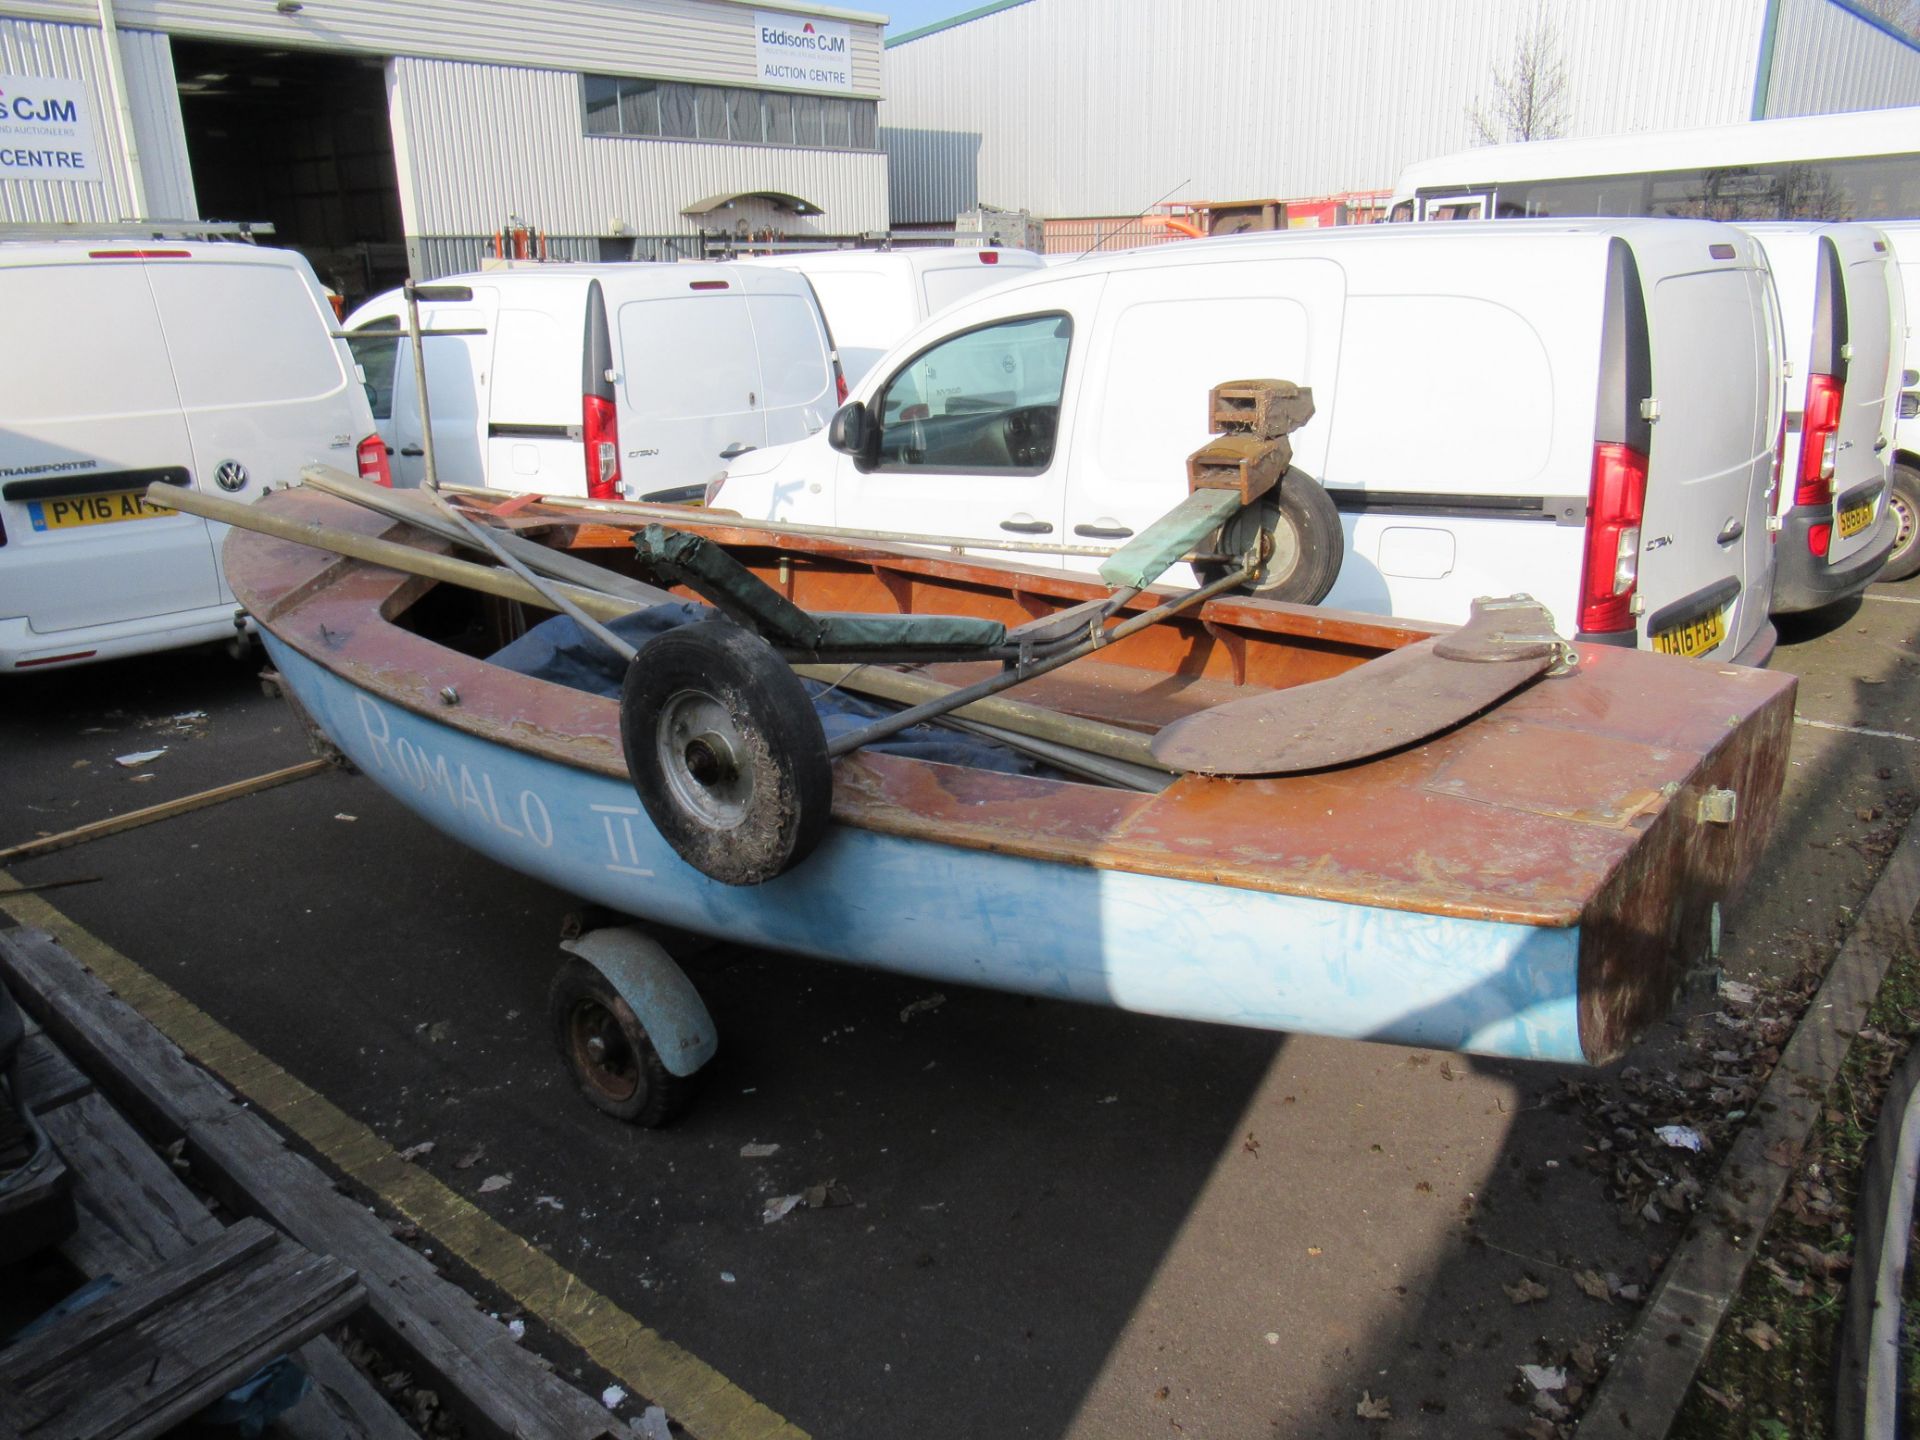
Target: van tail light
point(839, 383)
point(713, 489)
point(989, 257)
point(1616, 499)
point(1819, 436)
point(600, 428)
point(372, 455)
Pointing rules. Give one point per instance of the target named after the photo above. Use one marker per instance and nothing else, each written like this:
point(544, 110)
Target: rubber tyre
point(1309, 545)
point(625, 1077)
point(1903, 495)
point(725, 752)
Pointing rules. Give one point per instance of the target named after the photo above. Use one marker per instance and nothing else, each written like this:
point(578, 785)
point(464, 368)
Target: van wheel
point(1903, 495)
point(1308, 545)
point(725, 752)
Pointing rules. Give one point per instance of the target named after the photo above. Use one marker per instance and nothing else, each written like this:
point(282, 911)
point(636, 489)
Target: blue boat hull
point(947, 913)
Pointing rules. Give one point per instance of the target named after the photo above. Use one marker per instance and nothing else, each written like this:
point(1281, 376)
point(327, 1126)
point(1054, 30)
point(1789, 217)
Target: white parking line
point(1894, 599)
point(1857, 730)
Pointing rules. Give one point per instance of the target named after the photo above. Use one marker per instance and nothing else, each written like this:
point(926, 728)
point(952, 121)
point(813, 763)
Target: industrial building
point(387, 137)
point(1251, 113)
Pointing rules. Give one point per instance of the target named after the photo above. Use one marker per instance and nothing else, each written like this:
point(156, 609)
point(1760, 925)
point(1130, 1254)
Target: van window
point(377, 353)
point(793, 352)
point(244, 334)
point(687, 356)
point(986, 399)
point(55, 367)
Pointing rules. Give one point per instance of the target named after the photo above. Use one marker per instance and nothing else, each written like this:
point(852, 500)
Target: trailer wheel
point(606, 1047)
point(725, 752)
point(1308, 545)
point(1903, 496)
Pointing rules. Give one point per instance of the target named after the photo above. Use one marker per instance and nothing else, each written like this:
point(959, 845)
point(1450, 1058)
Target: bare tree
point(1903, 15)
point(1529, 100)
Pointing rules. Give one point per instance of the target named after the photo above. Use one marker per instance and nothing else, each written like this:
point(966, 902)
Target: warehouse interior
point(299, 138)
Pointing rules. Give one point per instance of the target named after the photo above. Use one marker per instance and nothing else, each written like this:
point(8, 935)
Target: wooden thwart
point(139, 1360)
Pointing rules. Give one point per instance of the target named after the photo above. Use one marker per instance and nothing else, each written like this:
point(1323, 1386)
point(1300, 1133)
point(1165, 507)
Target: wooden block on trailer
point(1266, 408)
point(1245, 464)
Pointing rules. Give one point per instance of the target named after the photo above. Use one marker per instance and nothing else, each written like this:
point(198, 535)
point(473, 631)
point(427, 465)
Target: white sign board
point(44, 133)
point(795, 53)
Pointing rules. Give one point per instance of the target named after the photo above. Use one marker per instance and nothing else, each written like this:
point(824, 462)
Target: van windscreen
point(245, 334)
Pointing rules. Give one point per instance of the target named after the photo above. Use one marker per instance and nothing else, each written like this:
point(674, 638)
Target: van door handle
point(1103, 532)
point(1026, 526)
point(1730, 532)
point(411, 450)
point(736, 450)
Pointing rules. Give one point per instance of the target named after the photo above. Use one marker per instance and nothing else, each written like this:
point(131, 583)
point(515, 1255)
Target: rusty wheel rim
point(601, 1055)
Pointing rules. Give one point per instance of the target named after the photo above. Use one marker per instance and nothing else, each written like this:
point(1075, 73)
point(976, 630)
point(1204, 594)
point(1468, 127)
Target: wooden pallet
point(421, 1320)
point(141, 1359)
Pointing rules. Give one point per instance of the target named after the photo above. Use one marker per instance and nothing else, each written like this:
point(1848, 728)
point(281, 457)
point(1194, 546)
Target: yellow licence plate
point(1853, 521)
point(92, 510)
point(1696, 637)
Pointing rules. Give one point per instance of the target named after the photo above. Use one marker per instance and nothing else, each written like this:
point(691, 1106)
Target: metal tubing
point(1006, 679)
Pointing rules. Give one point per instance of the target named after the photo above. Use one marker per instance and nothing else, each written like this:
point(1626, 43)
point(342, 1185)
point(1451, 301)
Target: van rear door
point(798, 392)
point(1859, 475)
point(690, 389)
point(1709, 452)
point(264, 388)
point(88, 414)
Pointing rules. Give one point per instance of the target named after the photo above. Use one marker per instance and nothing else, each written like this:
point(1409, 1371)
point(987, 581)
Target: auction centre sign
point(796, 53)
point(44, 134)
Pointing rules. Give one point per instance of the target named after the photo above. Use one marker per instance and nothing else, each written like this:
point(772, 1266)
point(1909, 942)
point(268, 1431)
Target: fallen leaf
point(779, 1207)
point(139, 757)
point(1545, 1377)
point(1761, 1335)
point(1251, 1145)
point(1723, 1400)
point(1541, 1428)
point(1584, 1360)
point(1739, 994)
point(1783, 1154)
point(1591, 1282)
point(1313, 1249)
point(414, 1152)
point(472, 1158)
point(1372, 1409)
point(1447, 1072)
point(1526, 1292)
point(758, 1151)
point(921, 1007)
point(495, 1182)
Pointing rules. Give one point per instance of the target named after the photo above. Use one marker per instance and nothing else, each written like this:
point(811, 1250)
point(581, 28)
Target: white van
point(1840, 307)
point(1903, 465)
point(873, 297)
point(624, 381)
point(1582, 410)
point(190, 363)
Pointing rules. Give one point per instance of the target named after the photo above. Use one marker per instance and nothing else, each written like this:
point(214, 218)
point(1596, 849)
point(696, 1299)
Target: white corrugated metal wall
point(688, 39)
point(464, 171)
point(1091, 107)
point(75, 52)
point(1826, 57)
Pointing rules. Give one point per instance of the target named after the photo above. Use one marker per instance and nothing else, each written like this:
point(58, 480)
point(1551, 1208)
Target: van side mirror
point(852, 430)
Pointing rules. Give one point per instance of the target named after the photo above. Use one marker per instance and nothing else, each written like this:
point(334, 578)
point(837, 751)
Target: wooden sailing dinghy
point(1532, 882)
